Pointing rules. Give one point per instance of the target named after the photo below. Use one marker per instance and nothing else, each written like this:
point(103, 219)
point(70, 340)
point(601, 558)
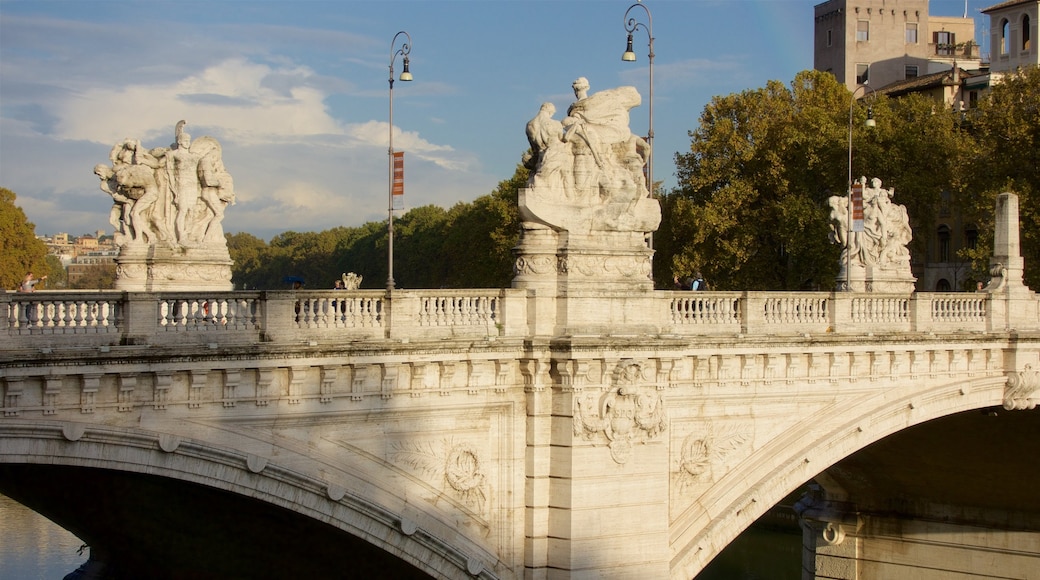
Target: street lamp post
point(629, 56)
point(848, 235)
point(406, 75)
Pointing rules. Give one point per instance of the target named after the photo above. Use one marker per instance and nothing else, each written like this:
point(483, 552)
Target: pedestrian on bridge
point(29, 283)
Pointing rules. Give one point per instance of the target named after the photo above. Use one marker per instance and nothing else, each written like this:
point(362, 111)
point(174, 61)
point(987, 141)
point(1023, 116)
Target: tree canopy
point(749, 210)
point(20, 250)
point(467, 246)
point(1006, 127)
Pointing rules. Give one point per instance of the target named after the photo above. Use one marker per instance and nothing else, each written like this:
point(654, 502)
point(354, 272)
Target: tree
point(468, 246)
point(1006, 125)
point(20, 250)
point(750, 209)
point(98, 276)
point(249, 254)
point(57, 276)
point(481, 237)
point(418, 242)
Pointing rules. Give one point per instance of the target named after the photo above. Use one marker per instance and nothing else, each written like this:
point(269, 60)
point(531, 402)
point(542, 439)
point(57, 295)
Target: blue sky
point(297, 92)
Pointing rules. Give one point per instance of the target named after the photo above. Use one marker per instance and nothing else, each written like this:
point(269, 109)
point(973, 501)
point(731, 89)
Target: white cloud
point(230, 95)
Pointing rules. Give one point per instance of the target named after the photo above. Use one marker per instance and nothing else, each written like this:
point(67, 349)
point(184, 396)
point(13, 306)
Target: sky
point(297, 93)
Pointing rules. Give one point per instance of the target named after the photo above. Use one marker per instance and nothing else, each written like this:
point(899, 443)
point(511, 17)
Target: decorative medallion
point(629, 412)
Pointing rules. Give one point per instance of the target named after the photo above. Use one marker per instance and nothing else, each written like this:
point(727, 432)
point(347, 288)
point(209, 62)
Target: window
point(830, 38)
point(944, 244)
point(911, 33)
point(862, 74)
point(862, 31)
point(971, 237)
point(910, 71)
point(942, 285)
point(944, 43)
point(1005, 37)
point(1025, 34)
point(973, 99)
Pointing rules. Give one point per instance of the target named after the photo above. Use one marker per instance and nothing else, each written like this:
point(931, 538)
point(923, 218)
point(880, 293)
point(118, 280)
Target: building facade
point(881, 41)
point(1013, 34)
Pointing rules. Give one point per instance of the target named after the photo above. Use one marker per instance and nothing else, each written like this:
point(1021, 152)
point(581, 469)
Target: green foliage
point(20, 251)
point(749, 211)
point(468, 246)
point(249, 254)
point(1006, 126)
point(96, 277)
point(57, 277)
point(482, 235)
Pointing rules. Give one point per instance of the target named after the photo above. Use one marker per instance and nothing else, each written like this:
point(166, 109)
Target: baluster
point(21, 314)
point(77, 315)
point(183, 313)
point(68, 312)
point(164, 312)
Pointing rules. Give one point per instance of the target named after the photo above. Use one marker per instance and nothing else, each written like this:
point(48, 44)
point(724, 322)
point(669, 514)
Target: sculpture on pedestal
point(168, 205)
point(172, 195)
point(587, 170)
point(875, 253)
point(586, 215)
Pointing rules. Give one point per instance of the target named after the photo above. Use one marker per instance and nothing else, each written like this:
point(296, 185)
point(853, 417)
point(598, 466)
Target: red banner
point(398, 189)
point(857, 207)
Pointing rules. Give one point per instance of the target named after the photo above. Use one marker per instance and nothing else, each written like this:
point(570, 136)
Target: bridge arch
point(808, 448)
point(68, 448)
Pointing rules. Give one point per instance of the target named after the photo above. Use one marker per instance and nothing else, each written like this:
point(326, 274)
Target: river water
point(34, 548)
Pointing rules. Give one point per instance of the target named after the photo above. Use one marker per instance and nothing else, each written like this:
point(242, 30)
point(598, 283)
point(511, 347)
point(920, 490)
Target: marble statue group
point(876, 252)
point(587, 169)
point(168, 206)
point(172, 196)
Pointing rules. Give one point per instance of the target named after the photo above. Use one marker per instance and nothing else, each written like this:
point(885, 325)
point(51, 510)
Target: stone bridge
point(480, 434)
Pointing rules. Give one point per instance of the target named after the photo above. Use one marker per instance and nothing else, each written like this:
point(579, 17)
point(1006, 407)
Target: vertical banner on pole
point(857, 207)
point(398, 190)
point(646, 169)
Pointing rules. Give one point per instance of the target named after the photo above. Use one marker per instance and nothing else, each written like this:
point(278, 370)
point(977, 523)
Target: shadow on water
point(771, 549)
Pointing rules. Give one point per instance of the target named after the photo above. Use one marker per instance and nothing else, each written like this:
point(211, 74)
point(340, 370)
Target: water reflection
point(33, 547)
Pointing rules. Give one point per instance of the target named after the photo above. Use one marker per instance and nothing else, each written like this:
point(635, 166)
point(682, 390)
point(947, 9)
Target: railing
point(46, 313)
point(958, 308)
point(187, 312)
point(348, 311)
point(47, 318)
point(706, 308)
point(961, 49)
point(884, 309)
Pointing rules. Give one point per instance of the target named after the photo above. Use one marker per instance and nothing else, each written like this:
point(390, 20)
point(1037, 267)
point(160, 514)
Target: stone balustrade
point(45, 318)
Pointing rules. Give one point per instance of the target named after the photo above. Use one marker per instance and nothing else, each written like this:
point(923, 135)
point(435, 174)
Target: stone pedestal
point(586, 284)
point(888, 280)
point(157, 268)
